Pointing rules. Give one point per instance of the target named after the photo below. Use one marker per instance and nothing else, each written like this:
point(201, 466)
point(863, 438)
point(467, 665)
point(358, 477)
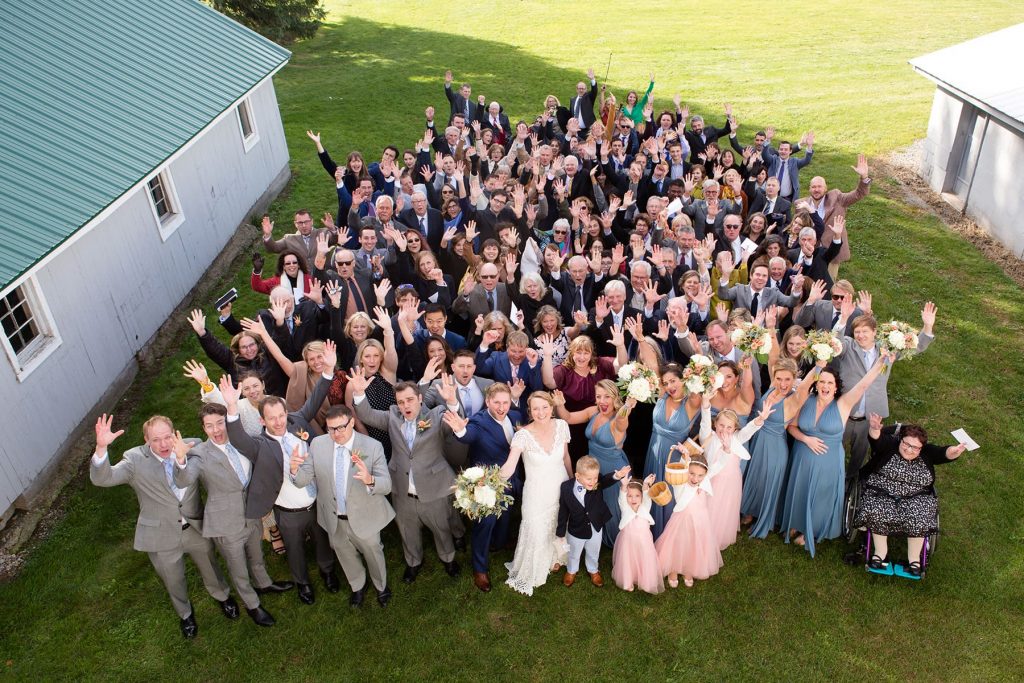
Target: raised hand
point(546, 344)
point(381, 289)
point(817, 291)
point(296, 460)
point(928, 316)
point(580, 318)
point(196, 371)
point(446, 389)
point(316, 292)
point(622, 472)
point(279, 311)
point(517, 388)
point(875, 422)
point(230, 393)
point(703, 296)
point(330, 356)
point(334, 293)
point(433, 369)
point(470, 232)
point(862, 167)
point(454, 421)
point(180, 448)
point(429, 113)
point(662, 332)
point(198, 322)
point(601, 309)
point(104, 435)
point(766, 411)
point(864, 301)
point(362, 474)
point(634, 326)
point(479, 324)
point(268, 227)
point(838, 225)
point(381, 318)
point(651, 295)
point(358, 381)
point(558, 397)
point(618, 338)
point(490, 337)
point(722, 311)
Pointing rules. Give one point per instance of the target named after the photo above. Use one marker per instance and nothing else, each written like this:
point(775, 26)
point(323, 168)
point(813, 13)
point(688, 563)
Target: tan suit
point(836, 204)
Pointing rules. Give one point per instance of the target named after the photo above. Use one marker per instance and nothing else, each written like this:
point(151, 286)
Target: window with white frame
point(247, 124)
point(29, 332)
point(164, 202)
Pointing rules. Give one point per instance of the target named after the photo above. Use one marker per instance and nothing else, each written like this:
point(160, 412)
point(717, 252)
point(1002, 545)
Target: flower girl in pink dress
point(724, 448)
point(634, 559)
point(688, 545)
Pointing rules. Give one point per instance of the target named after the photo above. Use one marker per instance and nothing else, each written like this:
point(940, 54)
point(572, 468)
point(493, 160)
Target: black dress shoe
point(410, 573)
point(276, 587)
point(229, 607)
point(261, 616)
point(189, 627)
point(451, 568)
point(460, 543)
point(384, 596)
point(331, 582)
point(357, 597)
point(306, 593)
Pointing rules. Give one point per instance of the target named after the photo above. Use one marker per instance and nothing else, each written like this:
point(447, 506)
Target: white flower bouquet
point(898, 338)
point(701, 375)
point(480, 491)
point(821, 345)
point(638, 382)
point(753, 340)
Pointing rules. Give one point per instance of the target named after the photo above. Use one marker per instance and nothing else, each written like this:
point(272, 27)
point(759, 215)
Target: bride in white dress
point(543, 445)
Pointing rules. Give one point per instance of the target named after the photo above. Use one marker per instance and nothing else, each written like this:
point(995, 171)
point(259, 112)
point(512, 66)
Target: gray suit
point(356, 534)
point(239, 540)
point(698, 213)
point(469, 307)
point(742, 296)
point(876, 399)
point(818, 316)
point(159, 530)
point(296, 242)
point(457, 453)
point(431, 474)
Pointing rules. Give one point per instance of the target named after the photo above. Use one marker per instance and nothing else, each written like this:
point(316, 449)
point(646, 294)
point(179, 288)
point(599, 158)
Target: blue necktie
point(340, 483)
point(169, 472)
point(862, 406)
point(410, 433)
point(467, 401)
point(236, 462)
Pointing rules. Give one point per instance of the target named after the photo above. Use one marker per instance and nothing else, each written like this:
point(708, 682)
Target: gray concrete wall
point(111, 290)
point(996, 200)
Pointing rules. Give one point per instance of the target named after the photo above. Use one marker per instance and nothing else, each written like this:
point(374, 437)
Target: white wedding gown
point(537, 550)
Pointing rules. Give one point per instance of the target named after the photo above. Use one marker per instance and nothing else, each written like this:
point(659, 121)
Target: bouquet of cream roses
point(638, 382)
point(821, 345)
point(898, 338)
point(480, 491)
point(701, 375)
point(753, 340)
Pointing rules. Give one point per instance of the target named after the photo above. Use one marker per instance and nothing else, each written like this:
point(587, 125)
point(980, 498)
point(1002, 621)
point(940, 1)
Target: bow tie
point(579, 488)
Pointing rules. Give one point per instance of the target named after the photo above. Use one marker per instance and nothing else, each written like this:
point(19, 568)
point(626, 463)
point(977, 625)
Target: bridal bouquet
point(898, 338)
point(638, 382)
point(753, 340)
point(701, 375)
point(480, 491)
point(821, 345)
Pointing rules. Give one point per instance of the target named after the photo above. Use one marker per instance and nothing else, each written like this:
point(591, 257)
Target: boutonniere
point(296, 320)
point(422, 426)
point(302, 434)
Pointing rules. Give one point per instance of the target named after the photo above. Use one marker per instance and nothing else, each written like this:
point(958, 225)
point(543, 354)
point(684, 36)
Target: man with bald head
point(494, 118)
point(484, 297)
point(831, 204)
point(426, 219)
point(581, 107)
point(707, 214)
point(578, 285)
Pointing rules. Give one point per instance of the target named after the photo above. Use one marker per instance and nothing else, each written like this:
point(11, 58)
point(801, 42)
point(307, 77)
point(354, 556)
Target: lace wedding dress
point(537, 550)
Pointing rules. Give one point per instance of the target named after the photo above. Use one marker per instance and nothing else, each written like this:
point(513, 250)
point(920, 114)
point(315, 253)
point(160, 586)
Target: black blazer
point(435, 226)
point(579, 519)
point(781, 213)
point(711, 134)
point(819, 263)
point(586, 105)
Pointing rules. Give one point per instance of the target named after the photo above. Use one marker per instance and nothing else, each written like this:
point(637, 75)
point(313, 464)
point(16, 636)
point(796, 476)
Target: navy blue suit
point(496, 366)
point(490, 447)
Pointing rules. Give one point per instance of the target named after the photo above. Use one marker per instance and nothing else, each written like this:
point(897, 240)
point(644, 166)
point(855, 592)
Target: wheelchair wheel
point(850, 512)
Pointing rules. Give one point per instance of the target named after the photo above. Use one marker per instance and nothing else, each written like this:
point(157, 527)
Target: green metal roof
point(95, 95)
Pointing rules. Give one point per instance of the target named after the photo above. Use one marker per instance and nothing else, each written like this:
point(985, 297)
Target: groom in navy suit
point(489, 434)
point(518, 362)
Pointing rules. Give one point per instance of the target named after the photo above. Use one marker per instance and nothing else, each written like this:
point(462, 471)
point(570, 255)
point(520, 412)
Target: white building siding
point(111, 290)
point(996, 201)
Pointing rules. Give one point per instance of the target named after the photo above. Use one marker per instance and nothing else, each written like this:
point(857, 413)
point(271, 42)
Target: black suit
point(697, 145)
point(818, 269)
point(435, 226)
point(602, 334)
point(458, 103)
point(586, 106)
point(570, 302)
point(781, 213)
point(291, 342)
point(580, 520)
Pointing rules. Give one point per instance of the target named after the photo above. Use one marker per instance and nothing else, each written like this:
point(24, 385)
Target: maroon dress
point(579, 395)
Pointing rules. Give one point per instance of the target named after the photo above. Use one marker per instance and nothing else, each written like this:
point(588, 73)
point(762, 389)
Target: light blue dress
point(814, 494)
point(611, 456)
point(765, 480)
point(666, 433)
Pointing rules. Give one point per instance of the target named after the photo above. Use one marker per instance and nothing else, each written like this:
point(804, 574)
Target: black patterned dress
point(380, 394)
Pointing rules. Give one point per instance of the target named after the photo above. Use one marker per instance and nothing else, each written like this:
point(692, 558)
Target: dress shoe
point(568, 579)
point(261, 616)
point(596, 579)
point(460, 543)
point(384, 596)
point(410, 573)
point(482, 581)
point(357, 597)
point(276, 587)
point(229, 607)
point(331, 582)
point(189, 627)
point(306, 593)
point(452, 568)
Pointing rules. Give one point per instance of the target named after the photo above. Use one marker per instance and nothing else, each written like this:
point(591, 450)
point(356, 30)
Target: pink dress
point(727, 479)
point(688, 545)
point(634, 559)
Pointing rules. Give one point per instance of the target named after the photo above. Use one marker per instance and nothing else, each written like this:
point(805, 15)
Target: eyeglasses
point(912, 449)
point(339, 428)
point(413, 239)
point(559, 232)
point(344, 263)
point(838, 297)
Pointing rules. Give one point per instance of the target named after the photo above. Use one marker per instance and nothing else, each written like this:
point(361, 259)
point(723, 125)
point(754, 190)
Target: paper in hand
point(961, 436)
point(675, 206)
point(748, 245)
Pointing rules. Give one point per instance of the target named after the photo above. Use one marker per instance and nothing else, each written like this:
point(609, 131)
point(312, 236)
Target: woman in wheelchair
point(897, 492)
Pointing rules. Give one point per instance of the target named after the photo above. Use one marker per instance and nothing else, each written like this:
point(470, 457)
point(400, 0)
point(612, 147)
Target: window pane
point(16, 317)
point(156, 190)
point(243, 117)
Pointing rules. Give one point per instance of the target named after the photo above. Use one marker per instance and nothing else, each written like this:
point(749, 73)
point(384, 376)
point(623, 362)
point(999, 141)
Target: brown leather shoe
point(482, 581)
point(596, 579)
point(568, 579)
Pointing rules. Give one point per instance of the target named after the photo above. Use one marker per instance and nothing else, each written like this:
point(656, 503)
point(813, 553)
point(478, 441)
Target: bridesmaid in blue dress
point(675, 413)
point(736, 393)
point(814, 496)
point(607, 421)
point(765, 480)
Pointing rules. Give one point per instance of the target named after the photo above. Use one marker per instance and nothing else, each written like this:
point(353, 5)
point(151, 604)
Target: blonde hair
point(587, 464)
point(785, 365)
point(361, 349)
point(152, 421)
point(542, 395)
point(609, 386)
point(728, 414)
point(358, 315)
point(312, 347)
point(580, 343)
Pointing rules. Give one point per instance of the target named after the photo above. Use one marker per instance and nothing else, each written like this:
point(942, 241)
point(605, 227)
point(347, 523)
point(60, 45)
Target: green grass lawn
point(88, 606)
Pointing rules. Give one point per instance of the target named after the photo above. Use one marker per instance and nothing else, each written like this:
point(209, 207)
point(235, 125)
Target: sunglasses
point(344, 263)
point(488, 277)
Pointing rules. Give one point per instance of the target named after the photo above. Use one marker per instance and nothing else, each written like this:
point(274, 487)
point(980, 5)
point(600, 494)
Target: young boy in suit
point(583, 513)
